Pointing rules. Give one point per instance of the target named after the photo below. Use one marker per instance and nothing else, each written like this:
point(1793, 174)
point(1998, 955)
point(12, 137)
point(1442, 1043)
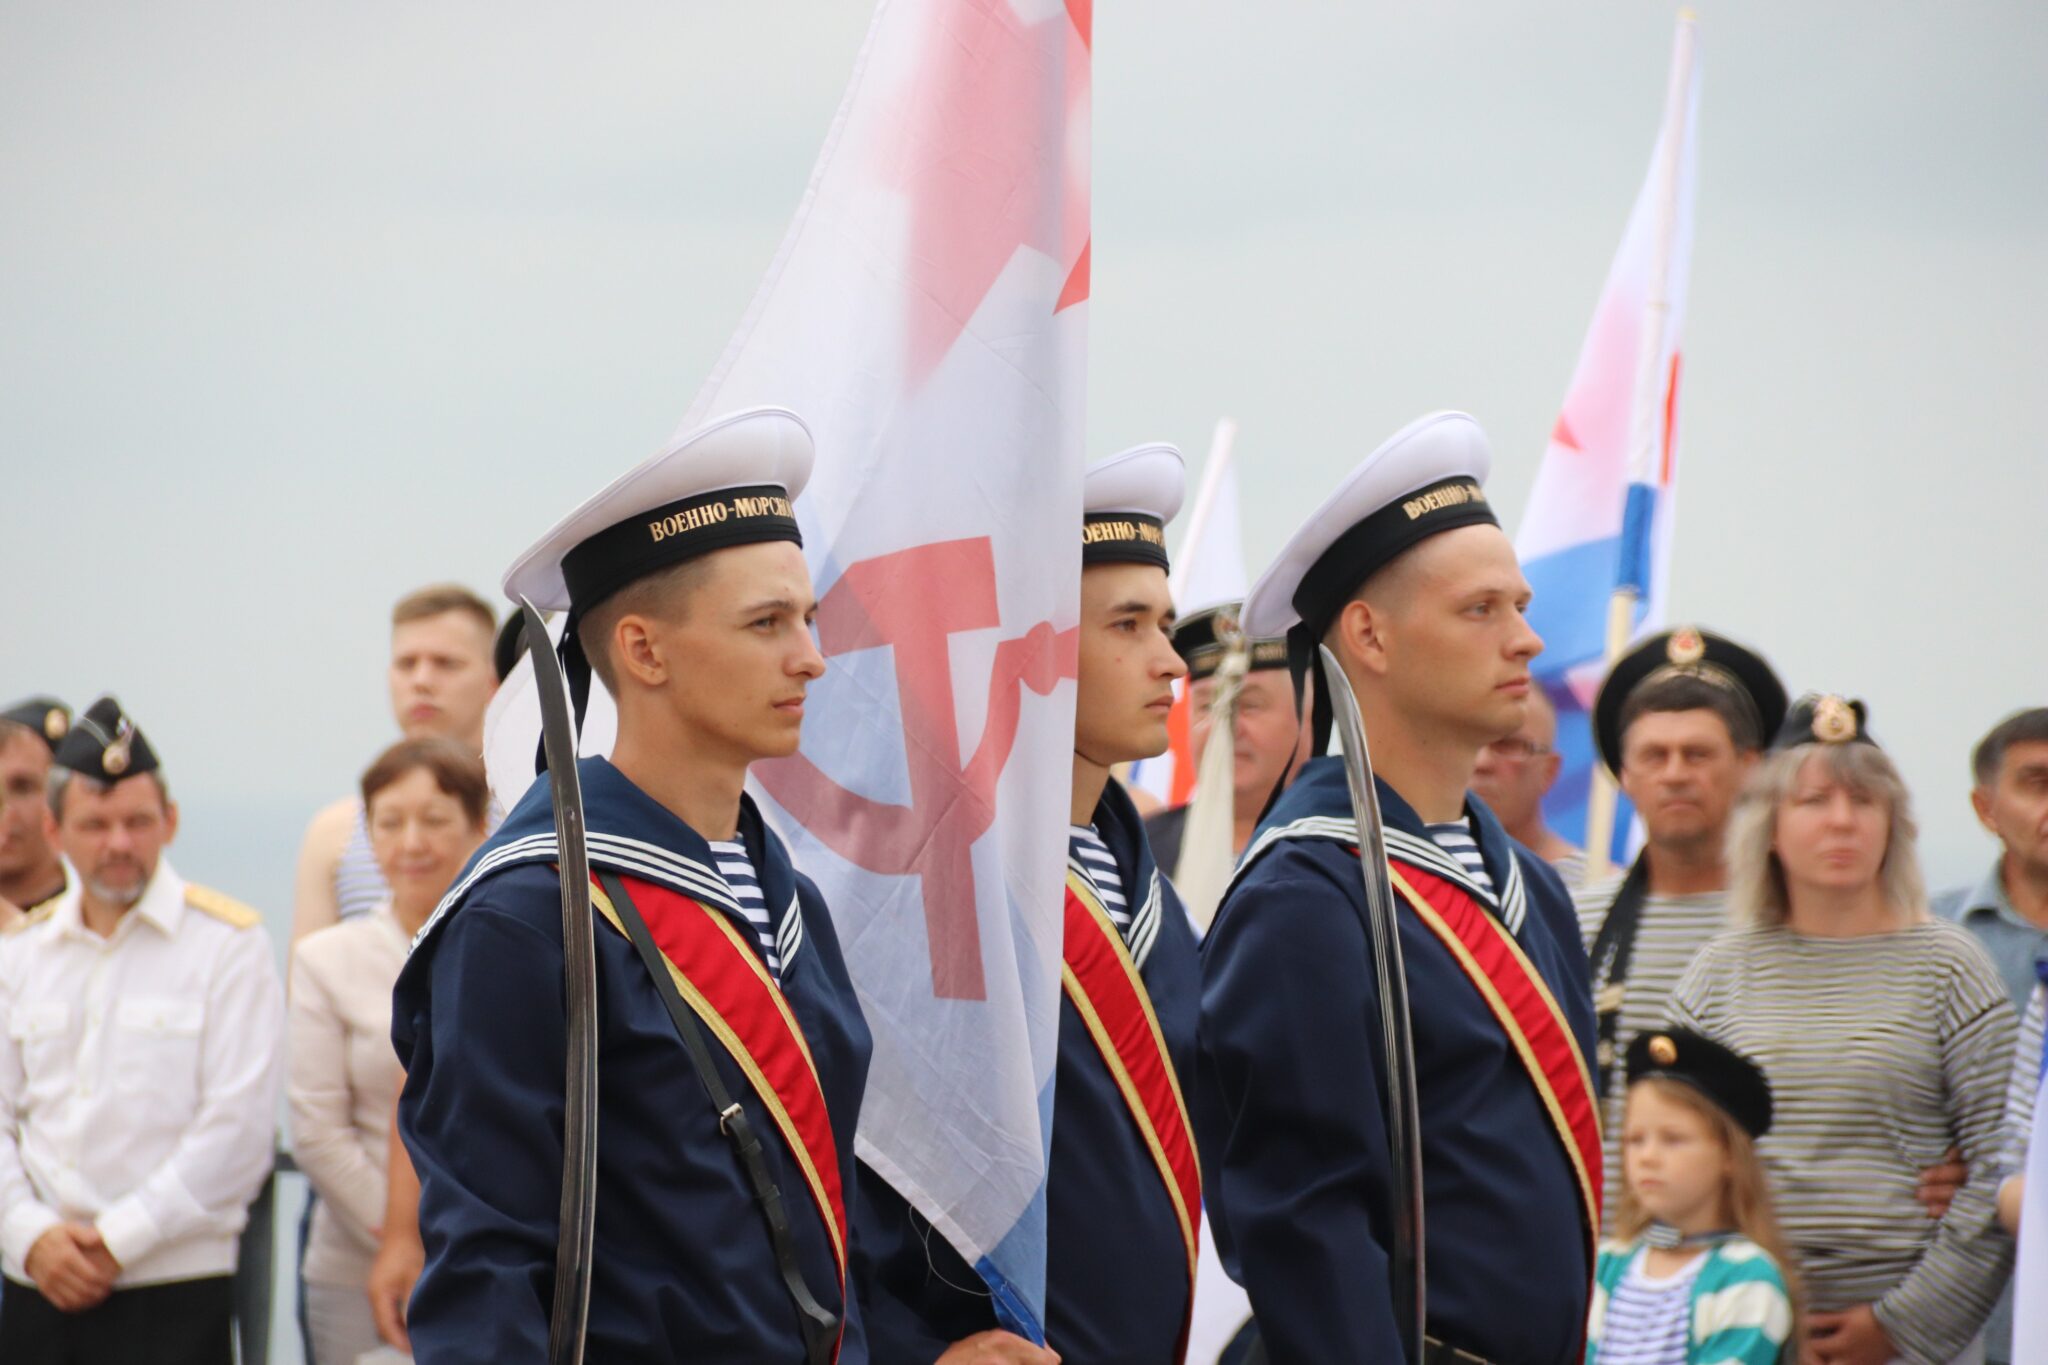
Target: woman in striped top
point(1886, 1036)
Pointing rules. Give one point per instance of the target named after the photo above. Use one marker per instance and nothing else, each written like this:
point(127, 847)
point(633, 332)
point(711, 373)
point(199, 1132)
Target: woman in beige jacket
point(426, 803)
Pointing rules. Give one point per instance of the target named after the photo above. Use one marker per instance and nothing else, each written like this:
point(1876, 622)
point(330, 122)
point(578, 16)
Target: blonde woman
point(1886, 1035)
point(426, 803)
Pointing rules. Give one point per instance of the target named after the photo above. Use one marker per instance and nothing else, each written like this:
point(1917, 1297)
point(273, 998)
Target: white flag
point(925, 316)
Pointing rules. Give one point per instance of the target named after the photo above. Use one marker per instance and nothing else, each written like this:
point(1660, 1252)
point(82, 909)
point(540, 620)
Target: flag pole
point(1632, 580)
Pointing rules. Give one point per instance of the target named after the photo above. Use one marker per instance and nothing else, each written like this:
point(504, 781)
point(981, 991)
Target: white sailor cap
point(1126, 501)
point(1423, 480)
point(729, 482)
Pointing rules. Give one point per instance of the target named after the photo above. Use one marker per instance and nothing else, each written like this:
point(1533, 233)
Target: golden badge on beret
point(1663, 1051)
point(115, 759)
point(1833, 721)
point(54, 725)
point(1686, 646)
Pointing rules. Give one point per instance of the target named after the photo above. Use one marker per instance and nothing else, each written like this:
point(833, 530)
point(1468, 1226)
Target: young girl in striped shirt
point(1696, 1271)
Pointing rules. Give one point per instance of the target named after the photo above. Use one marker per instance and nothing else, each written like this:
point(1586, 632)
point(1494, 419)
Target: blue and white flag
point(1599, 517)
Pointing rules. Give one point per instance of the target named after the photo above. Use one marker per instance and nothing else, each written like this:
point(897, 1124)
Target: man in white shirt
point(139, 1073)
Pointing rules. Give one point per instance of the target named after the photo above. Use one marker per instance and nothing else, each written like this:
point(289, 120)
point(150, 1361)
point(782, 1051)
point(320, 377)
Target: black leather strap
point(1613, 949)
point(820, 1326)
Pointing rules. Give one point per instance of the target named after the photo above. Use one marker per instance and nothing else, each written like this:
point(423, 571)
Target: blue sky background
point(303, 306)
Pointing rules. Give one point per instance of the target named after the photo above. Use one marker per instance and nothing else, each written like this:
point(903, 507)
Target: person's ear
point(1980, 802)
point(1360, 633)
point(639, 650)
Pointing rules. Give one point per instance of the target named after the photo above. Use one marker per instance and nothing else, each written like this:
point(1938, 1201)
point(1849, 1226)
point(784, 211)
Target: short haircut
point(1756, 879)
point(61, 778)
point(1684, 692)
point(11, 730)
point(663, 594)
point(455, 770)
point(2021, 727)
point(437, 599)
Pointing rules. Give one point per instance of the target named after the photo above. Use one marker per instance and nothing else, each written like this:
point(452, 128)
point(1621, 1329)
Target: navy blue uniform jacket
point(1116, 1265)
point(684, 1269)
point(1288, 1106)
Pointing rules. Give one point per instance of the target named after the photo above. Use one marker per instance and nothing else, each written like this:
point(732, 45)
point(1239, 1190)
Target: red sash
point(1110, 997)
point(723, 982)
point(1528, 1014)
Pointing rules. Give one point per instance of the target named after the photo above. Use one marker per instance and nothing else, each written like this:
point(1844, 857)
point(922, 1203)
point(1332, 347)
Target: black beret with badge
point(1126, 502)
point(1202, 639)
point(1688, 652)
point(104, 745)
point(1723, 1075)
point(1824, 718)
point(49, 718)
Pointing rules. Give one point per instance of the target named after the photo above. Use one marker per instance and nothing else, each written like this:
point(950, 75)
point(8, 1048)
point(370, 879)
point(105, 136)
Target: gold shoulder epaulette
point(33, 915)
point(224, 908)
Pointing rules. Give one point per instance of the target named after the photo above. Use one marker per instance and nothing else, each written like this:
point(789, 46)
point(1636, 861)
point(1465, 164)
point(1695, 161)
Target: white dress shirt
point(139, 1077)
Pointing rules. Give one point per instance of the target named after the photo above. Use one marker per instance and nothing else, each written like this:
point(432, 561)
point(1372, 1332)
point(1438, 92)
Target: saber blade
point(1404, 1116)
point(570, 1315)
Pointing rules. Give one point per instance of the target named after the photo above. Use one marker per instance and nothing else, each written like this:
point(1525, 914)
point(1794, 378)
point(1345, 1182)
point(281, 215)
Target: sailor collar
point(1318, 807)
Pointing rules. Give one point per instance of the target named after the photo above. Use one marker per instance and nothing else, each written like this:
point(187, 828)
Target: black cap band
point(1122, 538)
point(1373, 543)
point(670, 534)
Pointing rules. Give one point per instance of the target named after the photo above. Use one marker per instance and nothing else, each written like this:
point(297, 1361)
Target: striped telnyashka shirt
point(2025, 1085)
point(1882, 1052)
point(358, 882)
point(1455, 838)
point(740, 878)
point(1672, 929)
point(1649, 1322)
point(1085, 846)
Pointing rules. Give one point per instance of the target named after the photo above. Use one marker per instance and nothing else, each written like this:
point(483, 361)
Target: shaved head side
point(663, 595)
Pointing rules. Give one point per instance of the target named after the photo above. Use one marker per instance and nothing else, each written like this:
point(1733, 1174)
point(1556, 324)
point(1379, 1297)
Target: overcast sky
point(302, 306)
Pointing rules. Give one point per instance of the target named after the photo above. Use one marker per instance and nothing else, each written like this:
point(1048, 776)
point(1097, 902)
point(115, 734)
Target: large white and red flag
point(1599, 518)
point(925, 315)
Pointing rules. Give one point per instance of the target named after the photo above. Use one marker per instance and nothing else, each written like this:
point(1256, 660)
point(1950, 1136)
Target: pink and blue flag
point(1599, 518)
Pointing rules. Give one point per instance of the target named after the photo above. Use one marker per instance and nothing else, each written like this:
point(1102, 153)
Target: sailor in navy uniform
point(1118, 1244)
point(686, 585)
point(1405, 573)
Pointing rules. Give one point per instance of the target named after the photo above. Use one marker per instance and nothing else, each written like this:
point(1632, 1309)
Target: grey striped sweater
point(1882, 1051)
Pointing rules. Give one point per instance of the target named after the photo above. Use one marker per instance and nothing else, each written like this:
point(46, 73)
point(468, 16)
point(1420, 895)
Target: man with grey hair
point(31, 870)
point(138, 1080)
point(2007, 911)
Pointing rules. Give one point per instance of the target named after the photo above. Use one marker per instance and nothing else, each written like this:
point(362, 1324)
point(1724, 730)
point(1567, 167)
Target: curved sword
point(1404, 1125)
point(578, 1220)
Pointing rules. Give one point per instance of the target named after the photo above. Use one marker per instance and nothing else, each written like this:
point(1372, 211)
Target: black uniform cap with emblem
point(1723, 1075)
point(1202, 638)
point(1824, 718)
point(729, 482)
point(1688, 652)
point(104, 745)
point(1420, 482)
point(1126, 502)
point(49, 718)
